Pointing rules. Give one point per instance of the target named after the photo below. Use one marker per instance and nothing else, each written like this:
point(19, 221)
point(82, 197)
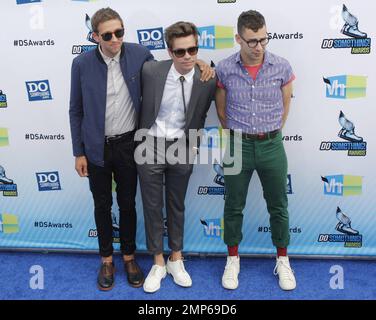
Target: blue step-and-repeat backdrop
point(329, 135)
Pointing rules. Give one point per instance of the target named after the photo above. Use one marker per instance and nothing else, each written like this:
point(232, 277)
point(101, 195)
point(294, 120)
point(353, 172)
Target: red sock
point(282, 252)
point(232, 250)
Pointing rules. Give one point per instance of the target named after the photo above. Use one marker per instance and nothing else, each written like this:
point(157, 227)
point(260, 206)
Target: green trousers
point(268, 158)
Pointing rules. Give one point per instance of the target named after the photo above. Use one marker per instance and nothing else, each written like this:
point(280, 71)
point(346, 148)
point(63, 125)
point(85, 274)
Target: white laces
point(230, 269)
point(180, 265)
point(283, 269)
point(156, 270)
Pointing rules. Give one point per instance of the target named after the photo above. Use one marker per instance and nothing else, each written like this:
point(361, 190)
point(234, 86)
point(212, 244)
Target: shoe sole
point(105, 289)
point(182, 285)
point(287, 289)
point(151, 291)
point(227, 288)
point(137, 285)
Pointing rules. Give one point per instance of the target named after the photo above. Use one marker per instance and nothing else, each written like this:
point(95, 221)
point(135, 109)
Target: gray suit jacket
point(154, 75)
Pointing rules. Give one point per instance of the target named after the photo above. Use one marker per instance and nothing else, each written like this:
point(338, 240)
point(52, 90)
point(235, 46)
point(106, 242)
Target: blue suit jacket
point(87, 108)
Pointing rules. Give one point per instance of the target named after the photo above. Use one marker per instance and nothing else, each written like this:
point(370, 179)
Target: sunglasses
point(108, 35)
point(179, 53)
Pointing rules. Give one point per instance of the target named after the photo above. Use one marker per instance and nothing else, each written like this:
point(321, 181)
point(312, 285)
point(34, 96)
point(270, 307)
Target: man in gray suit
point(175, 102)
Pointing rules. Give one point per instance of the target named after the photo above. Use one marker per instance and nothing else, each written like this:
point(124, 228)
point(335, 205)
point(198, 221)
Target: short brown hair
point(178, 30)
point(103, 15)
point(250, 19)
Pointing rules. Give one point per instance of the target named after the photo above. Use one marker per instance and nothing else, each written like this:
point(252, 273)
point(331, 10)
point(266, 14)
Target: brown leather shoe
point(106, 276)
point(135, 275)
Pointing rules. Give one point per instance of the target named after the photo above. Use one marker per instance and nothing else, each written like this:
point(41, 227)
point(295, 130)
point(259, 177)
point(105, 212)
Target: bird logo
point(3, 100)
point(347, 132)
point(90, 34)
point(203, 222)
point(344, 224)
point(115, 223)
point(3, 178)
point(350, 27)
point(219, 178)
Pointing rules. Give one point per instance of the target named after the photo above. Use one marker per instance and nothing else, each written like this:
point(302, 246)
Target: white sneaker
point(230, 275)
point(153, 280)
point(178, 272)
point(285, 273)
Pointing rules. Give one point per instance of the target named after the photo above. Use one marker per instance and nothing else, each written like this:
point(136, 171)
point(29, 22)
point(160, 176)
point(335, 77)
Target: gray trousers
point(175, 178)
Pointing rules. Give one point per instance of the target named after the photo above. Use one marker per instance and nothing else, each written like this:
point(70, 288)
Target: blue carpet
point(73, 277)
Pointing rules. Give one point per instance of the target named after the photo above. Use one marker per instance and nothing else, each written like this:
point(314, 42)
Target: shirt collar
point(176, 75)
point(268, 58)
point(106, 59)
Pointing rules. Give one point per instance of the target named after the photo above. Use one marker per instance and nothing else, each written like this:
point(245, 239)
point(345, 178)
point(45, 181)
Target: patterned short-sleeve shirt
point(254, 106)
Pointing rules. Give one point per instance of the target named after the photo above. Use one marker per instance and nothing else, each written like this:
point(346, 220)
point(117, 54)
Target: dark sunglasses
point(179, 53)
point(108, 35)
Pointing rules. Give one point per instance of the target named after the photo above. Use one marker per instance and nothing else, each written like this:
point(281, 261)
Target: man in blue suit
point(104, 101)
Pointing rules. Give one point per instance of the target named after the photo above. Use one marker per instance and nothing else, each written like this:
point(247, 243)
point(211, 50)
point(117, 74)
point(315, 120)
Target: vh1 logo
point(213, 228)
point(345, 87)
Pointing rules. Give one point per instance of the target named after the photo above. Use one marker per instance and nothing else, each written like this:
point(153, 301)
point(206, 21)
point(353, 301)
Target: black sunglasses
point(108, 35)
point(179, 53)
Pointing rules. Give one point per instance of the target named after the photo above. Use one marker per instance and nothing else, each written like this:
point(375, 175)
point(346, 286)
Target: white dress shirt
point(120, 113)
point(170, 121)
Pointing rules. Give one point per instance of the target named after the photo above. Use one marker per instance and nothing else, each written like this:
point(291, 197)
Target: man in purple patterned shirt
point(253, 95)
